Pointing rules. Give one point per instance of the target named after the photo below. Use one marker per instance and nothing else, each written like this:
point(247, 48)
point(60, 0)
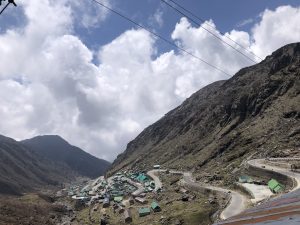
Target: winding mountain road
point(260, 163)
point(238, 202)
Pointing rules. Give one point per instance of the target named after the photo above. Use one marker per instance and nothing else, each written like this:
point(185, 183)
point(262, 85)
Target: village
point(119, 193)
point(129, 193)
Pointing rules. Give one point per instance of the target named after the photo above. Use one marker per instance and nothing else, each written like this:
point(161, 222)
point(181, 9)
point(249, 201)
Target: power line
point(204, 21)
point(9, 2)
point(160, 37)
point(216, 36)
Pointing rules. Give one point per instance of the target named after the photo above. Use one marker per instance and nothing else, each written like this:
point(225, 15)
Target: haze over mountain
point(57, 149)
point(255, 111)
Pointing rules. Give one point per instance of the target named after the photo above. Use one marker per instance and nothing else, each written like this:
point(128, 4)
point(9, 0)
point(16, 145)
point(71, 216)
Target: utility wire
point(204, 21)
point(4, 8)
point(216, 36)
point(160, 37)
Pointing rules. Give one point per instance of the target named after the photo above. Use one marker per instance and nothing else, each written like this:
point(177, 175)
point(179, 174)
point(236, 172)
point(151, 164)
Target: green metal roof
point(278, 188)
point(245, 179)
point(144, 211)
point(154, 205)
point(273, 183)
point(142, 177)
point(118, 199)
point(275, 186)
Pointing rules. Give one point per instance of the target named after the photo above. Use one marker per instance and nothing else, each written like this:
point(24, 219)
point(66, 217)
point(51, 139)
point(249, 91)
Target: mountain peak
point(56, 148)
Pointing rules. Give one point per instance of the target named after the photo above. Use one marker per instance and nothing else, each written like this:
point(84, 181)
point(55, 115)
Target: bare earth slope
point(23, 170)
point(256, 111)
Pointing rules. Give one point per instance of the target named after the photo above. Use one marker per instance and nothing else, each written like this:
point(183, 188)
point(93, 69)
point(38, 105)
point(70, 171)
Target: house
point(142, 177)
point(144, 212)
point(140, 200)
point(127, 216)
point(275, 186)
point(118, 199)
point(155, 207)
point(157, 167)
point(245, 179)
point(106, 203)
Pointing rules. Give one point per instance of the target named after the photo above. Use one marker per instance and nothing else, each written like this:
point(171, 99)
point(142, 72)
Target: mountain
point(257, 111)
point(23, 170)
point(57, 149)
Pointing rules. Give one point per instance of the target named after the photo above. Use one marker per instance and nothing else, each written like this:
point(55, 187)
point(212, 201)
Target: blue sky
point(227, 15)
point(96, 80)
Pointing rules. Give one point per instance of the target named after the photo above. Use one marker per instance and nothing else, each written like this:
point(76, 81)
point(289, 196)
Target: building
point(118, 199)
point(275, 186)
point(155, 207)
point(144, 212)
point(106, 203)
point(157, 167)
point(127, 216)
point(245, 179)
point(140, 200)
point(142, 177)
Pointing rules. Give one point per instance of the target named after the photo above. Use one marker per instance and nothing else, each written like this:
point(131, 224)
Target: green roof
point(278, 188)
point(275, 186)
point(118, 199)
point(273, 183)
point(144, 211)
point(154, 205)
point(245, 179)
point(142, 177)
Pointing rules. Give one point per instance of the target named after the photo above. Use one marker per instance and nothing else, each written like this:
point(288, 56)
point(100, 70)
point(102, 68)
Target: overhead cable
point(210, 32)
point(208, 24)
point(160, 37)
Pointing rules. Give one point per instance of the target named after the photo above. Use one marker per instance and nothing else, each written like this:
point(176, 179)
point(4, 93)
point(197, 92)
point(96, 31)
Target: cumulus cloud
point(49, 83)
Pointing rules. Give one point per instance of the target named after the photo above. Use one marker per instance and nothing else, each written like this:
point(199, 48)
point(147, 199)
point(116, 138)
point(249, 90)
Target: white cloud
point(245, 22)
point(49, 83)
point(157, 18)
point(87, 14)
point(275, 29)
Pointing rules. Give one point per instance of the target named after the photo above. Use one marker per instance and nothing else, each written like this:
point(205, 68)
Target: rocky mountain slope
point(23, 170)
point(257, 111)
point(57, 149)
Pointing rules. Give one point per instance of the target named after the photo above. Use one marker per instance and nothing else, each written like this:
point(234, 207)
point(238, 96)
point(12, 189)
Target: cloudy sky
point(74, 69)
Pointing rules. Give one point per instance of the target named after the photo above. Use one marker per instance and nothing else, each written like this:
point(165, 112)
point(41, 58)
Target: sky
point(74, 69)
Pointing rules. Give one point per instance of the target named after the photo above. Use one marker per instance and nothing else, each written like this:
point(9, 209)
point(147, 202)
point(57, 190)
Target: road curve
point(237, 204)
point(259, 163)
point(152, 174)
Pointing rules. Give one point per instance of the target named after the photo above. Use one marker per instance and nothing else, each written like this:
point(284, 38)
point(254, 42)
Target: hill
point(57, 149)
point(23, 170)
point(257, 111)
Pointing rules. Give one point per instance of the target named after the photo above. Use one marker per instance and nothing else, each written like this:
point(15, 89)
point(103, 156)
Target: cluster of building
point(119, 192)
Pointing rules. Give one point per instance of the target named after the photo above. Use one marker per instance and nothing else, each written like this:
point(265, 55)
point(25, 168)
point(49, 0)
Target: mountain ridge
point(57, 149)
point(254, 112)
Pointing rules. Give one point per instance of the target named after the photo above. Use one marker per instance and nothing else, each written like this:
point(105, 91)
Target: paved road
point(152, 174)
point(237, 204)
point(260, 163)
